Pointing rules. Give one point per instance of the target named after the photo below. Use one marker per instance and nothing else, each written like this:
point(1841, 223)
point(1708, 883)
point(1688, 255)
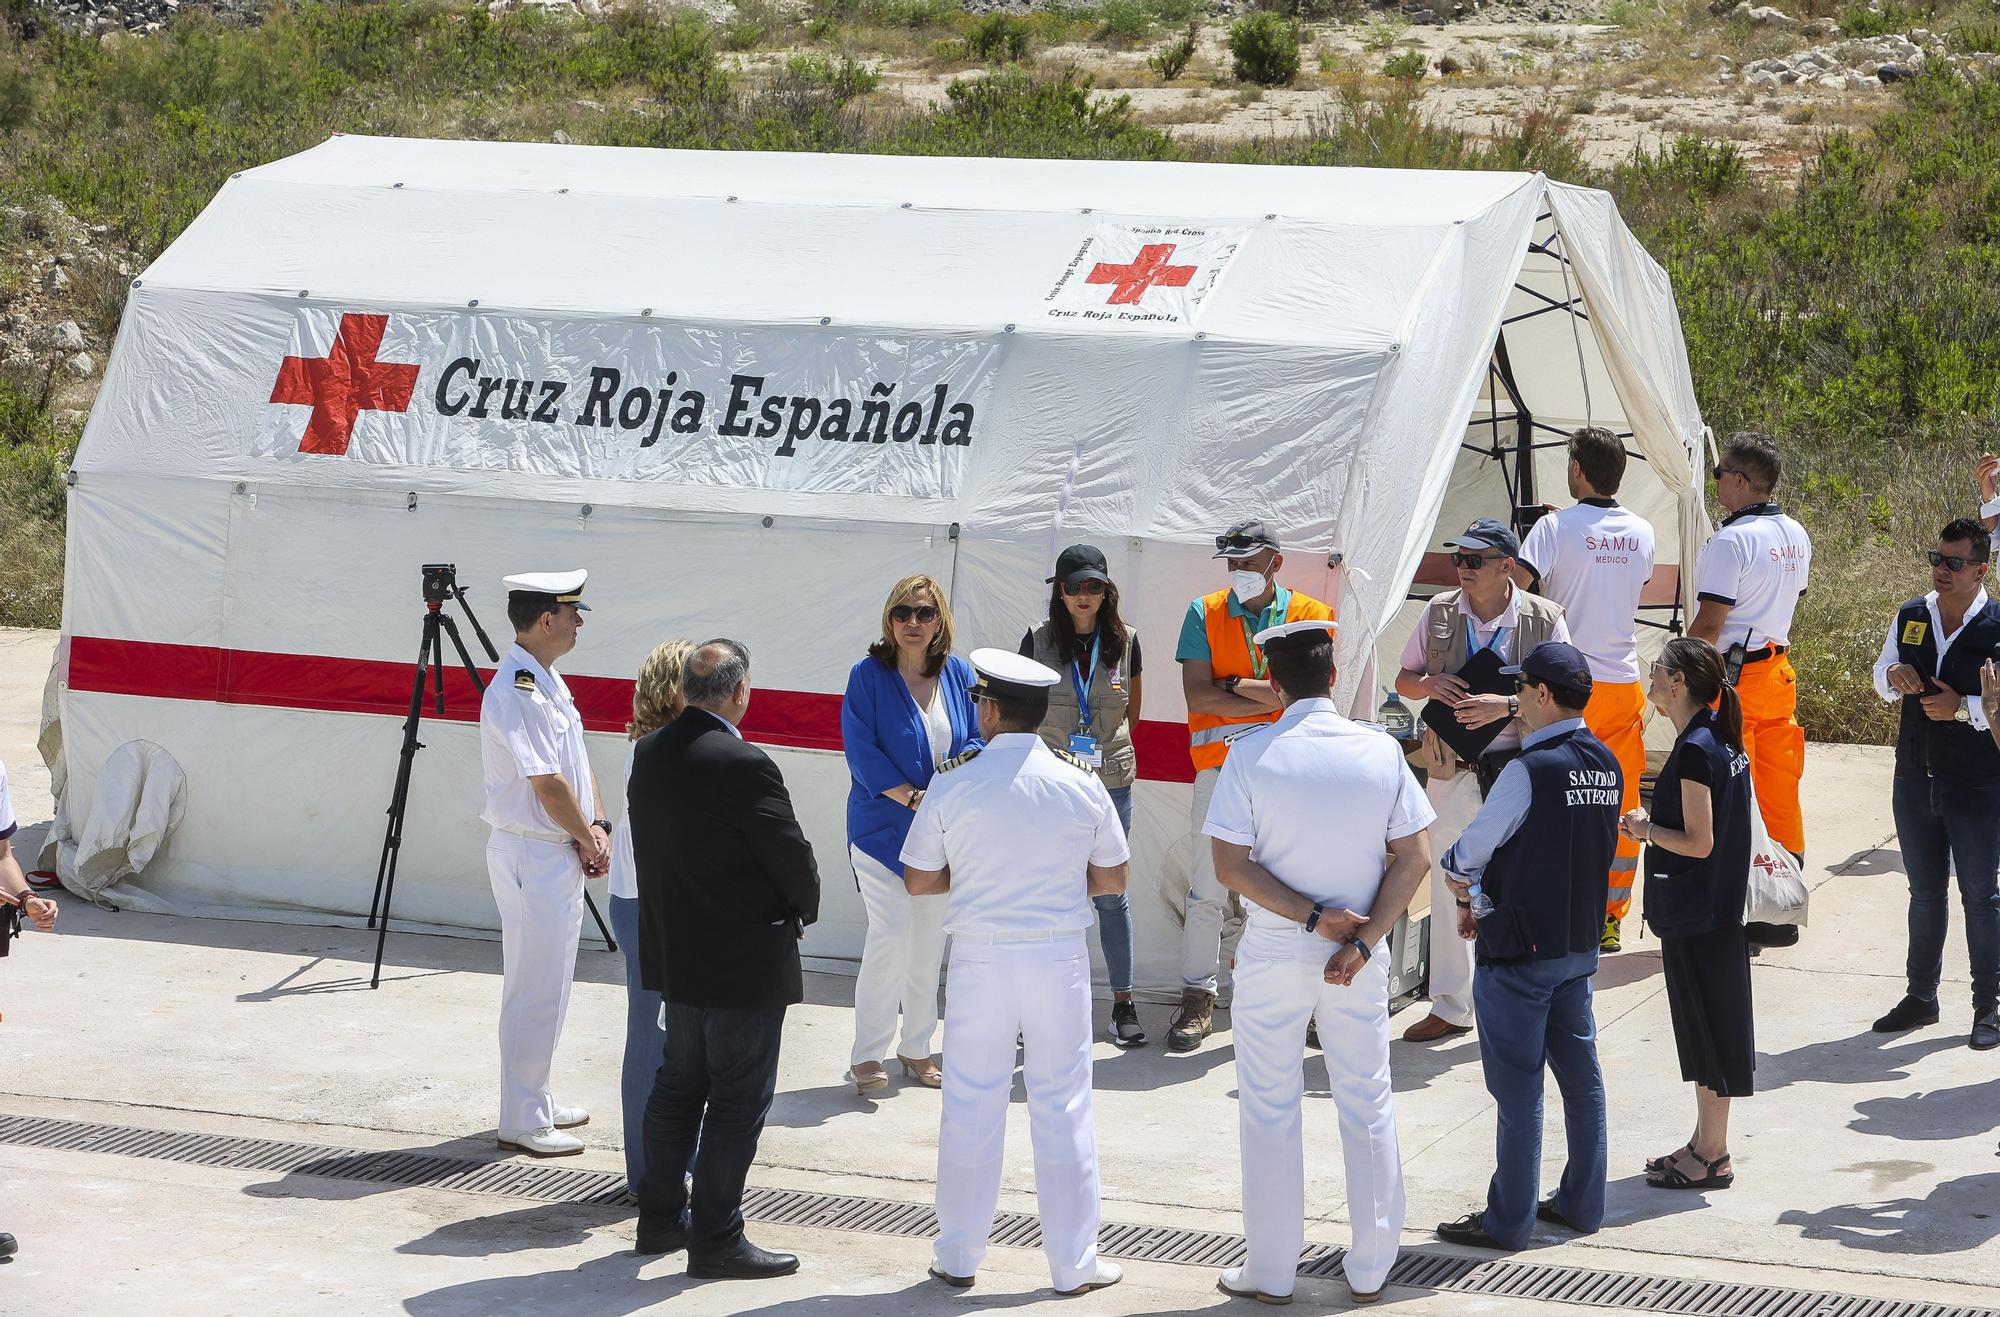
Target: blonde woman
point(908, 708)
point(656, 701)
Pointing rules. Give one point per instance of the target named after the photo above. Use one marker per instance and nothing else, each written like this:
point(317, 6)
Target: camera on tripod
point(440, 582)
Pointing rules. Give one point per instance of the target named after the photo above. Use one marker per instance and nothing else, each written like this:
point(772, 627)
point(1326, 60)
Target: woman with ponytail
point(656, 701)
point(1697, 866)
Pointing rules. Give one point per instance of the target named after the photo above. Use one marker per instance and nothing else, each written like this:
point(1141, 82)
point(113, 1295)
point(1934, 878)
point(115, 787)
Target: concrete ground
point(1866, 1165)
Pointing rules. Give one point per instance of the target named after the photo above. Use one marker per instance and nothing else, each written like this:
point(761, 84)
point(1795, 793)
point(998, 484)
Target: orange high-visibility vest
point(1229, 655)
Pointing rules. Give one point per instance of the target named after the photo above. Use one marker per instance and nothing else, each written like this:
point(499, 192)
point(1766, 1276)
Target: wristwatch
point(1513, 706)
point(602, 825)
point(1229, 684)
point(1963, 714)
point(1312, 920)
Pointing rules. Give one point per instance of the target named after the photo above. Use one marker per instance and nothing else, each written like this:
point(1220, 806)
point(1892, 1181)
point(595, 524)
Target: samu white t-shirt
point(1594, 558)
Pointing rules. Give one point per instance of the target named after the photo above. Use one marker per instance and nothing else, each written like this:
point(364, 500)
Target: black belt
point(1768, 652)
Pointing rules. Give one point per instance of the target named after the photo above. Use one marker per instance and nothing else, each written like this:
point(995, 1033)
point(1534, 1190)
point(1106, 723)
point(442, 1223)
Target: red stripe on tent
point(801, 719)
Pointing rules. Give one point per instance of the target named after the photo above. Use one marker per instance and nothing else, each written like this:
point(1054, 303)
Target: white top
point(937, 726)
point(1316, 798)
point(1496, 635)
point(1891, 655)
point(1594, 558)
point(525, 731)
point(1016, 825)
point(1757, 564)
point(8, 825)
point(624, 879)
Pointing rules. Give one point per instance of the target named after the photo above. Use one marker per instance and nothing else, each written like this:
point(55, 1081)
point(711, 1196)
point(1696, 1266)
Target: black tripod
point(440, 583)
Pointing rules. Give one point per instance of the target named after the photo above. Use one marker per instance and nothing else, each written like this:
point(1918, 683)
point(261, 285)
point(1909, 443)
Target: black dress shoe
point(1986, 1031)
point(670, 1239)
point(8, 1248)
point(748, 1262)
point(1771, 935)
point(1546, 1210)
point(1469, 1229)
point(1909, 1013)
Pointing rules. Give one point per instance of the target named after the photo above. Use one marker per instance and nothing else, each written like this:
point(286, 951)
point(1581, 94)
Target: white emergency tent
point(382, 353)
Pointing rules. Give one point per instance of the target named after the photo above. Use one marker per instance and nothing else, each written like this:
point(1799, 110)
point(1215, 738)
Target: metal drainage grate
point(878, 1216)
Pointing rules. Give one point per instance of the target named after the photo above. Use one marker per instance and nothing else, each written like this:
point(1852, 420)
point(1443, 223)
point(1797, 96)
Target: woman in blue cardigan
point(908, 708)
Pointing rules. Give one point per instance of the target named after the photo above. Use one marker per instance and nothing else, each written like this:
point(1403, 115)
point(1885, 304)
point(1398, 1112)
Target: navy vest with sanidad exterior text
point(1925, 748)
point(1549, 880)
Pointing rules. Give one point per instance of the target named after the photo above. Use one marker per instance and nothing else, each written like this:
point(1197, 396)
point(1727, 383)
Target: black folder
point(1482, 676)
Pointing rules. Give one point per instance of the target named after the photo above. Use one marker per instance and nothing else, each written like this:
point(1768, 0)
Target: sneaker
point(1125, 1030)
point(1609, 942)
point(1194, 1021)
point(1909, 1013)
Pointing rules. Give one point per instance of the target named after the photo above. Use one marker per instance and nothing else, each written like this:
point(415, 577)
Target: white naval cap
point(1003, 672)
point(563, 587)
point(1287, 635)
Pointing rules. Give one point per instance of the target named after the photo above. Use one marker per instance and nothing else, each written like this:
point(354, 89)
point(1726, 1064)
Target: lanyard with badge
point(1082, 743)
point(1493, 642)
point(1265, 620)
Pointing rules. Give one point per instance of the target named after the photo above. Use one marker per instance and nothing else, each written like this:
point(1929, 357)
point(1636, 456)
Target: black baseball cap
point(1555, 664)
point(1244, 539)
point(1080, 562)
point(1486, 533)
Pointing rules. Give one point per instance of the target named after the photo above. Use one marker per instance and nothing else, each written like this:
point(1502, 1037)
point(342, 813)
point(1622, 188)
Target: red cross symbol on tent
point(1148, 269)
point(344, 383)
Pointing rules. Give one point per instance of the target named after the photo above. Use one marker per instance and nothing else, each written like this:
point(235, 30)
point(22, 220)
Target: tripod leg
point(610, 943)
point(451, 629)
point(392, 838)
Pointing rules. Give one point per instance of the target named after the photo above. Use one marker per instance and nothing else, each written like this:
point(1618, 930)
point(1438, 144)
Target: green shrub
point(1126, 20)
point(1172, 59)
point(1265, 49)
point(911, 13)
point(997, 38)
point(1384, 33)
point(1410, 66)
point(1175, 13)
point(742, 34)
point(1971, 38)
point(1879, 22)
point(846, 78)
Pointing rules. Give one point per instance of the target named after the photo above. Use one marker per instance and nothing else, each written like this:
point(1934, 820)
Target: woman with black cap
point(1091, 715)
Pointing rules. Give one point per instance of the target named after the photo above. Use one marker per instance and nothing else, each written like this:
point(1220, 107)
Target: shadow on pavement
point(1866, 864)
point(1944, 1113)
point(1863, 1058)
point(1955, 1217)
point(323, 1177)
point(545, 1225)
point(1631, 1200)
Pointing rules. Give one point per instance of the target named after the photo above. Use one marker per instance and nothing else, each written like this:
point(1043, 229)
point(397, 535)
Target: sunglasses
point(1722, 471)
point(1084, 588)
point(1472, 562)
point(913, 613)
point(1238, 543)
point(1951, 560)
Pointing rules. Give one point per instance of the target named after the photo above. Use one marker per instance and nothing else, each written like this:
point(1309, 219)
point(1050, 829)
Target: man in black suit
point(727, 885)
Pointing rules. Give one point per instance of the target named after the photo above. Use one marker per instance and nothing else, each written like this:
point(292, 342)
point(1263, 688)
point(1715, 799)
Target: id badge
point(1084, 747)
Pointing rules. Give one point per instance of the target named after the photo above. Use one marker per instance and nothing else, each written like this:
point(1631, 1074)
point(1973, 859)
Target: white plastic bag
point(1777, 891)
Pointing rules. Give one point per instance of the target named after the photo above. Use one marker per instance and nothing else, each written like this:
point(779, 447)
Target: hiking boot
point(1125, 1030)
point(1609, 942)
point(1909, 1013)
point(1194, 1021)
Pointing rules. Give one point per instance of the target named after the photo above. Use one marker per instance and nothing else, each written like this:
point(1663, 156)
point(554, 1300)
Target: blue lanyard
point(1081, 680)
point(1472, 648)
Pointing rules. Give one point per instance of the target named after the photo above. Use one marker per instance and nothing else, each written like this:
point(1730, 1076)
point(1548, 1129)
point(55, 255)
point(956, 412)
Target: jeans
point(716, 1082)
point(1945, 824)
point(1529, 1014)
point(1114, 912)
point(645, 1041)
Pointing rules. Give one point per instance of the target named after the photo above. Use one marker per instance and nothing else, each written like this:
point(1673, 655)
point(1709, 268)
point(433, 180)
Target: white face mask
point(1247, 585)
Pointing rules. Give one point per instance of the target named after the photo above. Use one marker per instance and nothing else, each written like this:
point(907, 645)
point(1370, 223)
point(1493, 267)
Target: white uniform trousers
point(1208, 899)
point(1039, 990)
point(538, 886)
point(1456, 802)
point(1278, 987)
point(900, 959)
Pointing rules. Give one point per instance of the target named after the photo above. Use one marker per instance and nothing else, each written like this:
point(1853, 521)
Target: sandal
point(1673, 1177)
point(1655, 1164)
point(924, 1071)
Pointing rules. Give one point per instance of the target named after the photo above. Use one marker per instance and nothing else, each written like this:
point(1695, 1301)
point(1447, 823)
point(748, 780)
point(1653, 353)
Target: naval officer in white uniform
point(1019, 837)
point(549, 833)
point(1314, 820)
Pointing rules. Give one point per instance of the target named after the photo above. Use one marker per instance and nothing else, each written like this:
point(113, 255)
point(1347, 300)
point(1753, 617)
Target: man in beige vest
point(1486, 612)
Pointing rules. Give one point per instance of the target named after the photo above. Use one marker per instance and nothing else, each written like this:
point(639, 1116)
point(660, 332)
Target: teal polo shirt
point(1193, 644)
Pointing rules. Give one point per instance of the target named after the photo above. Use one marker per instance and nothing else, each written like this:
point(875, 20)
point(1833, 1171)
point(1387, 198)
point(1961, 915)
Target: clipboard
point(1482, 676)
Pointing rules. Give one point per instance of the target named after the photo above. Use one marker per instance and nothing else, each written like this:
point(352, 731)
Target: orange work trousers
point(1616, 715)
point(1776, 745)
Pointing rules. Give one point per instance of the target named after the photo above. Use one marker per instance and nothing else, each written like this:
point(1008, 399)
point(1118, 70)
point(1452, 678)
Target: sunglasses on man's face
point(1722, 471)
point(1951, 560)
point(913, 613)
point(1084, 588)
point(1472, 562)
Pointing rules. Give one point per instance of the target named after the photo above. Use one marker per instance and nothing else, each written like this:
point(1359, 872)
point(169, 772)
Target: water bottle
point(1396, 718)
point(1482, 904)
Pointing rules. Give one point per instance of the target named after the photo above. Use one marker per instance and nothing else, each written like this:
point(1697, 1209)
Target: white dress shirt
point(1890, 655)
point(1317, 798)
point(530, 731)
point(1017, 826)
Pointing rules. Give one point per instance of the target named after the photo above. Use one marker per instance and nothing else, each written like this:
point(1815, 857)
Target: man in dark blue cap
point(1529, 876)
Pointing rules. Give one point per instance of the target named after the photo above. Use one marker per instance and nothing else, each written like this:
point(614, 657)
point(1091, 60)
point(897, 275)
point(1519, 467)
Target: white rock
point(58, 278)
point(1921, 36)
point(67, 336)
point(1834, 82)
point(1788, 77)
point(1769, 16)
point(1762, 78)
point(1855, 82)
point(81, 365)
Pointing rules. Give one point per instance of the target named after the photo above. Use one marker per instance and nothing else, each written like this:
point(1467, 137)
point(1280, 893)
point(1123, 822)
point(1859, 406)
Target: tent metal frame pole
point(1522, 487)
